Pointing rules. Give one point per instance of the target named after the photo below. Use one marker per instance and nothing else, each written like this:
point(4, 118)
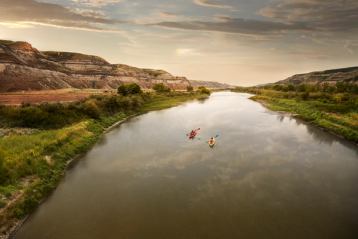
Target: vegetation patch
point(161, 88)
point(331, 106)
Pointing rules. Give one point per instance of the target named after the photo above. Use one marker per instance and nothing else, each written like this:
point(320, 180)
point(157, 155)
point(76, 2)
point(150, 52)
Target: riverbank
point(37, 159)
point(333, 117)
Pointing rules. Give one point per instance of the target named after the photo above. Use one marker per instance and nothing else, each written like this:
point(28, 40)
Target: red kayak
point(193, 133)
point(192, 136)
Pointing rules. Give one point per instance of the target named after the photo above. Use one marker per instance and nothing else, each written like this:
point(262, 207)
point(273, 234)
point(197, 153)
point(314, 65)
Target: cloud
point(97, 3)
point(319, 18)
point(210, 3)
point(351, 47)
point(51, 14)
point(167, 15)
point(16, 25)
point(321, 15)
point(236, 25)
point(186, 52)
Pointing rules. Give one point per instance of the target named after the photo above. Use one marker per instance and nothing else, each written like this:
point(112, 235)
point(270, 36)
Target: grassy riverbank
point(32, 161)
point(336, 112)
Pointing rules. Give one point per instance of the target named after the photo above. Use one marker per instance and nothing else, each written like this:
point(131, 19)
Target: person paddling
point(211, 142)
point(193, 133)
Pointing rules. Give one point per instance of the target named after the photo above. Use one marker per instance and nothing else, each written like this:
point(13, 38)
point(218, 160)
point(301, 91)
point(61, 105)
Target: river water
point(269, 176)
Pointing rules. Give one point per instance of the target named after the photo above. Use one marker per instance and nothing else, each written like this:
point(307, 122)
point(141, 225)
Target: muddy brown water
point(269, 176)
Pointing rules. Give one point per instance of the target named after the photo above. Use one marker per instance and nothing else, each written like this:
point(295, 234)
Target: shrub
point(4, 173)
point(301, 88)
point(305, 95)
point(31, 116)
point(50, 116)
point(290, 87)
point(203, 90)
point(129, 89)
point(161, 88)
point(278, 87)
point(91, 109)
point(328, 88)
point(136, 102)
point(111, 104)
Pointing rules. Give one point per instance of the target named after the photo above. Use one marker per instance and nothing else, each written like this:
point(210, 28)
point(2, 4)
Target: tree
point(204, 90)
point(301, 88)
point(290, 87)
point(326, 87)
point(129, 89)
point(278, 87)
point(341, 87)
point(91, 109)
point(161, 88)
point(189, 88)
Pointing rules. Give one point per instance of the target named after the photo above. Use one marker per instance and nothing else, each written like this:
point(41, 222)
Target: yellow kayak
point(212, 144)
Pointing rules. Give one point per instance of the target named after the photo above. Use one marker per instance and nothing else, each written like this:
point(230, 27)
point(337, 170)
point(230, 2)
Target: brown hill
point(210, 84)
point(24, 68)
point(349, 75)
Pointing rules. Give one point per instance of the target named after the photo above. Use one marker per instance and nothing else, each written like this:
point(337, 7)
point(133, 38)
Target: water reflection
point(269, 176)
point(318, 134)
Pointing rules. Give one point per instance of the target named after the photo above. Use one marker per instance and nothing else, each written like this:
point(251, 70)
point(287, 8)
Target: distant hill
point(210, 84)
point(349, 75)
point(24, 68)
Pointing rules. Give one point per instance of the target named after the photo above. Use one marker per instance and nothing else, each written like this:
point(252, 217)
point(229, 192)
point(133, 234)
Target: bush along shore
point(333, 107)
point(39, 141)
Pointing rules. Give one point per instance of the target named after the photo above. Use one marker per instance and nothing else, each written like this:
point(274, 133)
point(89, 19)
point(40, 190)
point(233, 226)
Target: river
point(269, 176)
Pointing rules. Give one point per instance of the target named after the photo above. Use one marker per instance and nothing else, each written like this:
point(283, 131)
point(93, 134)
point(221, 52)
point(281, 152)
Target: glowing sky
point(242, 42)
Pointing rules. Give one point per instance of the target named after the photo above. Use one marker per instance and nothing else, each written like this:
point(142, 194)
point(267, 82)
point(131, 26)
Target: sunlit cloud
point(16, 25)
point(236, 25)
point(211, 3)
point(186, 52)
point(52, 14)
point(60, 25)
point(97, 3)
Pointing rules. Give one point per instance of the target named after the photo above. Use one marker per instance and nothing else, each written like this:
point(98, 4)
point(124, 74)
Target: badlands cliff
point(24, 68)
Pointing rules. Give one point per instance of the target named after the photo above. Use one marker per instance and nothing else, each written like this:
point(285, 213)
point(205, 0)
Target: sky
point(240, 42)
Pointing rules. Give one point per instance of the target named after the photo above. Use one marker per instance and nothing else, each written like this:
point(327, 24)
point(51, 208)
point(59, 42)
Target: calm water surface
point(269, 176)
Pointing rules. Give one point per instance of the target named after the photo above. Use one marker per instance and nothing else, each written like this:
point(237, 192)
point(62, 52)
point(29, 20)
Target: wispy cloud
point(17, 11)
point(167, 15)
point(282, 16)
point(211, 3)
point(321, 15)
point(236, 25)
point(97, 3)
point(186, 52)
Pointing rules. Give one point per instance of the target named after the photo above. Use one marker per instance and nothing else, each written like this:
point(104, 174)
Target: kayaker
point(193, 133)
point(211, 142)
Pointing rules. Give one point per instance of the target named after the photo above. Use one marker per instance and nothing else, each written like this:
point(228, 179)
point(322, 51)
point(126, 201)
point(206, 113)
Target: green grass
point(36, 162)
point(339, 118)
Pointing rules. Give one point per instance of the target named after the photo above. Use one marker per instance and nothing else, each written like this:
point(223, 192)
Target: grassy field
point(336, 112)
point(33, 161)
